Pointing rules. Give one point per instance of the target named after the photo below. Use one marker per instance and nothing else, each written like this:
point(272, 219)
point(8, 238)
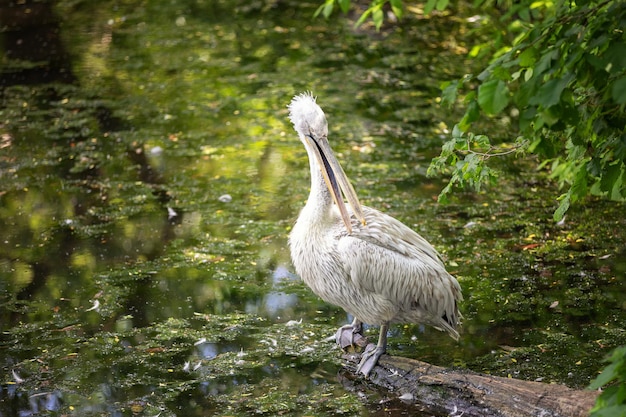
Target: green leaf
point(442, 4)
point(448, 95)
point(443, 195)
point(527, 118)
point(563, 207)
point(318, 11)
point(501, 73)
point(325, 9)
point(482, 141)
point(328, 8)
point(615, 57)
point(524, 14)
point(363, 17)
point(471, 115)
point(611, 411)
point(397, 7)
point(579, 187)
point(493, 96)
point(545, 62)
point(609, 177)
point(430, 6)
point(528, 57)
point(471, 164)
point(618, 90)
point(608, 374)
point(549, 94)
point(377, 17)
point(618, 355)
point(344, 5)
point(546, 118)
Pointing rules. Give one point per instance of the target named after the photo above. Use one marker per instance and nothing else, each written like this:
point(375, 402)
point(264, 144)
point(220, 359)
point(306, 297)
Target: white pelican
point(355, 257)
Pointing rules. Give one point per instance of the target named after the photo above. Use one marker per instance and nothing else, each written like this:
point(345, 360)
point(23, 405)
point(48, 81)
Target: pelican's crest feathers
point(304, 113)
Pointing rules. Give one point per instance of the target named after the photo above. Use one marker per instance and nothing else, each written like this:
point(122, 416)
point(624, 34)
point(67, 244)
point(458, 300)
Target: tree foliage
point(375, 10)
point(557, 69)
point(612, 401)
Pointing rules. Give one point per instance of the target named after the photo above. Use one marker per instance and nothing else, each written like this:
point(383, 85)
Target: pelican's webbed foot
point(372, 352)
point(345, 334)
point(369, 358)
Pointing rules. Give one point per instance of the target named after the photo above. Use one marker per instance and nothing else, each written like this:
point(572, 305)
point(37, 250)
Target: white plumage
point(360, 259)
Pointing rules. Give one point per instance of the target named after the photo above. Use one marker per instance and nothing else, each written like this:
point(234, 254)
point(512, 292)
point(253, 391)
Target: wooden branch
point(452, 392)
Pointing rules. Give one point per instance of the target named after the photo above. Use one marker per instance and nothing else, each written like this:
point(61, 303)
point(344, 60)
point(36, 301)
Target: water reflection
point(49, 401)
point(278, 304)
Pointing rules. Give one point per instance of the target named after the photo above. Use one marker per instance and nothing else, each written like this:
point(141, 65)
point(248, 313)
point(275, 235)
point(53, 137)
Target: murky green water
point(149, 180)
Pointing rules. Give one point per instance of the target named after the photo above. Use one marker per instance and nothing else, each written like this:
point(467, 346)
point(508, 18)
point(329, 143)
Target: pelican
point(364, 261)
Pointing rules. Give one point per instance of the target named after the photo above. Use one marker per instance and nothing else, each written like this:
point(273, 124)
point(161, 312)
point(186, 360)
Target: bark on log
point(453, 392)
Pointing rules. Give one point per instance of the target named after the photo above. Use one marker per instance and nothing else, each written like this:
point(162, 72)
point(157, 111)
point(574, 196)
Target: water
point(150, 179)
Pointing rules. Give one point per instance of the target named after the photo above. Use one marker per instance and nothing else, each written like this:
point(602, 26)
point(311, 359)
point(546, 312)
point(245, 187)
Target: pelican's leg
point(372, 353)
point(345, 334)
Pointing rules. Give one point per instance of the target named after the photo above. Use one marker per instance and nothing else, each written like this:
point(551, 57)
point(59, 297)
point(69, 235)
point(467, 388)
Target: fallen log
point(453, 392)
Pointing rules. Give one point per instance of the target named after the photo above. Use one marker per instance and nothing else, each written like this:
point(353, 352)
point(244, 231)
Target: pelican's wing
point(389, 259)
point(387, 232)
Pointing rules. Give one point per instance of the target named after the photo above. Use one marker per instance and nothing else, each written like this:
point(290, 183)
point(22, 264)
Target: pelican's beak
point(336, 181)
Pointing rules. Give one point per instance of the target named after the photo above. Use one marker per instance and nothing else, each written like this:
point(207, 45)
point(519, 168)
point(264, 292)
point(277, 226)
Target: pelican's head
point(310, 122)
point(307, 117)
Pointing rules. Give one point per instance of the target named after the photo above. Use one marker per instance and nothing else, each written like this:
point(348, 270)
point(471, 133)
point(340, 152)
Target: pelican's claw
point(369, 359)
point(345, 334)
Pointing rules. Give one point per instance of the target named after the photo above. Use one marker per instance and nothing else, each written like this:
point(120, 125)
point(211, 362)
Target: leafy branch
point(375, 10)
point(557, 70)
point(564, 75)
point(464, 159)
point(612, 401)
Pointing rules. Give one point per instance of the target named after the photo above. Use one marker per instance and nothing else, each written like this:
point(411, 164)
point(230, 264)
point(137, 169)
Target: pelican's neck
point(320, 200)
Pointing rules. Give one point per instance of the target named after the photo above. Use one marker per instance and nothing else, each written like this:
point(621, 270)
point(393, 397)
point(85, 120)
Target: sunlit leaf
point(528, 57)
point(442, 4)
point(328, 8)
point(473, 53)
point(430, 6)
point(378, 17)
point(363, 17)
point(563, 207)
point(318, 11)
point(397, 7)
